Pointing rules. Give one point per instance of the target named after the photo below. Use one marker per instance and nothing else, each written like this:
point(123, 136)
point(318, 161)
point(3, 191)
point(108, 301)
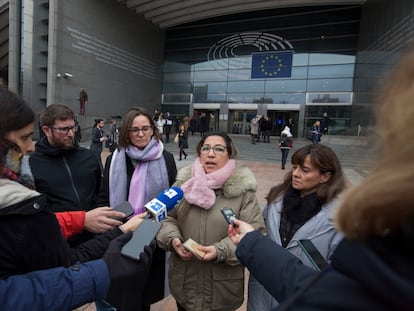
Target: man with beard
point(69, 174)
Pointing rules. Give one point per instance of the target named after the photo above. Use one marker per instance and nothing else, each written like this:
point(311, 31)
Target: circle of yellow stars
point(278, 65)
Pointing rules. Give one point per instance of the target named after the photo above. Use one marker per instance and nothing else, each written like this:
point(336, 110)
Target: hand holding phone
point(229, 215)
point(126, 208)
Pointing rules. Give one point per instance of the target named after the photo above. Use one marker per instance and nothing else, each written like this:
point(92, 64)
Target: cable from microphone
point(159, 207)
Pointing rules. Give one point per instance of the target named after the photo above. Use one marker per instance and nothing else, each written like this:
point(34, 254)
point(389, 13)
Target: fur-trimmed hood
point(13, 193)
point(240, 181)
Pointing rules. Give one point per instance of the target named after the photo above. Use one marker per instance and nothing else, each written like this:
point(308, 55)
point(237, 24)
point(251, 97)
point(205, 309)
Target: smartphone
point(192, 246)
point(126, 208)
point(145, 233)
point(313, 254)
point(229, 215)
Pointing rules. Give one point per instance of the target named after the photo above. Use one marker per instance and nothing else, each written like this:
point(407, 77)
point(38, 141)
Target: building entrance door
point(239, 121)
point(281, 118)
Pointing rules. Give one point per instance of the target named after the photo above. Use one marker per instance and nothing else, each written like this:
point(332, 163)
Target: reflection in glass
point(285, 85)
point(328, 59)
point(246, 86)
point(343, 98)
point(332, 71)
point(324, 85)
point(211, 75)
point(286, 98)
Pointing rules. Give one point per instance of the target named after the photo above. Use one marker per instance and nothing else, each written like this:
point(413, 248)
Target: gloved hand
point(126, 273)
point(121, 266)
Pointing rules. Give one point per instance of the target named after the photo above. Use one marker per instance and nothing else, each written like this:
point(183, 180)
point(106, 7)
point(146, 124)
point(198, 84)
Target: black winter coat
point(30, 239)
point(70, 178)
point(364, 276)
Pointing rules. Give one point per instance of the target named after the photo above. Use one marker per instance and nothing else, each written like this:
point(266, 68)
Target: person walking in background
point(254, 128)
point(138, 171)
point(182, 141)
point(266, 128)
point(186, 122)
point(212, 122)
point(292, 127)
point(285, 144)
point(83, 100)
point(325, 123)
point(97, 140)
point(203, 124)
point(167, 127)
point(300, 208)
point(177, 124)
point(215, 180)
point(160, 125)
point(193, 124)
point(316, 132)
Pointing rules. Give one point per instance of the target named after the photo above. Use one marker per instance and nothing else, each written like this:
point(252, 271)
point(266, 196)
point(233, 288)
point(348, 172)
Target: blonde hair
point(384, 200)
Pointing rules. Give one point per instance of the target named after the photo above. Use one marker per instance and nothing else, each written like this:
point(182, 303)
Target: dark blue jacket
point(377, 276)
point(55, 289)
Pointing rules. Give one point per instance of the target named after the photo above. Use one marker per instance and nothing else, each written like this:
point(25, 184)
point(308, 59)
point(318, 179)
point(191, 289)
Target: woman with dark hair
point(214, 281)
point(300, 208)
point(137, 171)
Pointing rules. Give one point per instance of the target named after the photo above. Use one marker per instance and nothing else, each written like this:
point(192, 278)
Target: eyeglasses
point(65, 130)
point(136, 130)
point(218, 149)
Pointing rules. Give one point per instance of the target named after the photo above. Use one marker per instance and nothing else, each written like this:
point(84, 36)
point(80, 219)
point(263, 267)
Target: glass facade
point(323, 66)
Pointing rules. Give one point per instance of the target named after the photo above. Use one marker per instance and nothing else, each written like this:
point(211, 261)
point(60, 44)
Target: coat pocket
point(228, 292)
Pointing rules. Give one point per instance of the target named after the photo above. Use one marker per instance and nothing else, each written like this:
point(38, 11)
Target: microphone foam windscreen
point(171, 197)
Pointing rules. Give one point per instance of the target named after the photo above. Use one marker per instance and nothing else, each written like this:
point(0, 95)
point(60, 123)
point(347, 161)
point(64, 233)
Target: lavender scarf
point(150, 176)
point(199, 189)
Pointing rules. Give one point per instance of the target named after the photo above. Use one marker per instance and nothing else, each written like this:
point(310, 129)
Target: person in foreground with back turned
point(215, 280)
point(372, 268)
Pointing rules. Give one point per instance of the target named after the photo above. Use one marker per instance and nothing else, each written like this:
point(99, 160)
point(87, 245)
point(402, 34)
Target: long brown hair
point(325, 159)
point(384, 200)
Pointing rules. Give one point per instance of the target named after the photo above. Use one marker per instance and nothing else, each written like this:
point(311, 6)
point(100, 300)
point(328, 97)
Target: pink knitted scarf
point(199, 189)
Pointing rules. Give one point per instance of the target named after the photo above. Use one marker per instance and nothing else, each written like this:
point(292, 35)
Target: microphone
point(158, 207)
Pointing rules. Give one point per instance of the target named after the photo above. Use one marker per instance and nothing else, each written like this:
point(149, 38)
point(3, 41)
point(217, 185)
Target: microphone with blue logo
point(159, 207)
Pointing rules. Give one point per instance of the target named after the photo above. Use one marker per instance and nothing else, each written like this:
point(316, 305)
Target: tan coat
point(214, 285)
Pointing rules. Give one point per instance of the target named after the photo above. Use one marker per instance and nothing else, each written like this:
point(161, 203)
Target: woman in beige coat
point(213, 280)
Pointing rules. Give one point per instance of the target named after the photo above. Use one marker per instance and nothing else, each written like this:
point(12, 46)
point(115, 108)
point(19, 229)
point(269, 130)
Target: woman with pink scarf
point(215, 180)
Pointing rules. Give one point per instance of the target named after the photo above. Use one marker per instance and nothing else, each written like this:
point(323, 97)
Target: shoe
point(185, 156)
point(179, 159)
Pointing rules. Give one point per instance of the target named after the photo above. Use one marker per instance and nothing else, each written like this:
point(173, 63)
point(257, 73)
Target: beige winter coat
point(215, 285)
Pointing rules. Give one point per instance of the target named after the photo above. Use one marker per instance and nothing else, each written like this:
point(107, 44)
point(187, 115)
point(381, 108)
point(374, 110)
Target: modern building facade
point(228, 59)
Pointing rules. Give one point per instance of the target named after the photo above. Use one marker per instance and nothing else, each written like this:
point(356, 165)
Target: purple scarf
point(150, 176)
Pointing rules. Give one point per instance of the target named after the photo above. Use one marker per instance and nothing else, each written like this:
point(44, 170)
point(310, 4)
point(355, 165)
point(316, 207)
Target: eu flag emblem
point(272, 65)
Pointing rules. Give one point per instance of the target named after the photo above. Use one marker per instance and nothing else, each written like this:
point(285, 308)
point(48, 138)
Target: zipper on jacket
point(72, 182)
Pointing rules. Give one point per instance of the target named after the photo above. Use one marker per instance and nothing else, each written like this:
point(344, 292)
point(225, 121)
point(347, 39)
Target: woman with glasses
point(138, 171)
point(213, 280)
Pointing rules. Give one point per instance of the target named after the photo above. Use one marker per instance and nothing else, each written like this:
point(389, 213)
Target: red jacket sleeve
point(71, 222)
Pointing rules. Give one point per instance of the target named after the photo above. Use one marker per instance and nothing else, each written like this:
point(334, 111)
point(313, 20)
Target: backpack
point(285, 141)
